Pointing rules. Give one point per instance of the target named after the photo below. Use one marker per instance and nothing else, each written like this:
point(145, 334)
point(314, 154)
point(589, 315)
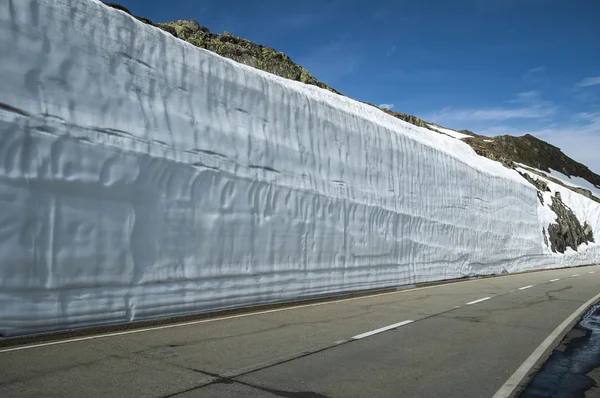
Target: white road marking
point(526, 287)
point(511, 384)
point(380, 330)
point(478, 301)
point(554, 280)
point(575, 275)
point(592, 272)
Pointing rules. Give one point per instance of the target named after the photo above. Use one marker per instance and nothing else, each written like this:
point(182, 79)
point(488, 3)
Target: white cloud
point(527, 105)
point(386, 106)
point(391, 51)
point(527, 96)
point(538, 69)
point(589, 81)
point(500, 113)
point(534, 73)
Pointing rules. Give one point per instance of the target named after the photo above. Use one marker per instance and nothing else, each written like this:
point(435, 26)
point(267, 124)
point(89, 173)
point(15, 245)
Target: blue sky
point(490, 66)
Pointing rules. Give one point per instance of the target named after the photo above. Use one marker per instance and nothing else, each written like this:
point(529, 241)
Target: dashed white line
point(526, 287)
point(554, 280)
point(592, 272)
point(380, 330)
point(478, 301)
point(575, 275)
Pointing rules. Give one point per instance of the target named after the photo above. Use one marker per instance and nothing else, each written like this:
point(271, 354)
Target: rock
point(567, 232)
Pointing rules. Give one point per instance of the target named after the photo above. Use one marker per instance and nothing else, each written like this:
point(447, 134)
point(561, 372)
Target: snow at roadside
point(142, 177)
point(451, 133)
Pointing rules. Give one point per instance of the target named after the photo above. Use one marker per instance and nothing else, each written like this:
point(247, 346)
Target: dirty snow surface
point(143, 177)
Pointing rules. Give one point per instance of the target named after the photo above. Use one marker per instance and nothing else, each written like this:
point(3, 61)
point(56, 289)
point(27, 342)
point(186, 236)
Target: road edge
point(515, 383)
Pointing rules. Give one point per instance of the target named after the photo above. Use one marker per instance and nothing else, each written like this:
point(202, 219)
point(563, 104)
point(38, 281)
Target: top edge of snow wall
point(143, 177)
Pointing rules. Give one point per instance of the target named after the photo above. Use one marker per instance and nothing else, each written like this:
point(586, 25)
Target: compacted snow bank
point(143, 177)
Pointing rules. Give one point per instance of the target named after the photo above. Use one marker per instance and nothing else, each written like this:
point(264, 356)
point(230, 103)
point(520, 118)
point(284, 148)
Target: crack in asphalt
point(219, 379)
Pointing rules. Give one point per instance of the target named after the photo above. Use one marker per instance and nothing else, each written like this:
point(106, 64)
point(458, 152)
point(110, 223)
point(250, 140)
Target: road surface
point(466, 339)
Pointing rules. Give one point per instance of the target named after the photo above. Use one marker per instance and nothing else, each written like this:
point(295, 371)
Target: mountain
point(144, 177)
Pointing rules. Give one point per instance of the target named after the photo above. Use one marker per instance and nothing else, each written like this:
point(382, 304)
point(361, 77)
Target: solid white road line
point(554, 280)
point(478, 301)
point(575, 275)
point(380, 330)
point(526, 287)
point(511, 384)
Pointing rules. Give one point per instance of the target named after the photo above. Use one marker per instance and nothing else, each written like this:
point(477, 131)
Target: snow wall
point(143, 177)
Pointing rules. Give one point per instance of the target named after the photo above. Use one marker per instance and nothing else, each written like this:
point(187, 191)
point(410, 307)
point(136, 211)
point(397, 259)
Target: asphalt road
point(332, 349)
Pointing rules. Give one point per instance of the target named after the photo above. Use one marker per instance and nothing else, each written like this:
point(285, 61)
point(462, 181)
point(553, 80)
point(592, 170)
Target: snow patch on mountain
point(571, 181)
point(451, 133)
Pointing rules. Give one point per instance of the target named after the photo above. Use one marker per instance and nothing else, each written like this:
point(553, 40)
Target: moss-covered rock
point(541, 185)
point(242, 50)
point(236, 48)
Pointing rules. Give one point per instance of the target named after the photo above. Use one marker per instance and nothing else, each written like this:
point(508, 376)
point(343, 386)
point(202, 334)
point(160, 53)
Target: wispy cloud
point(391, 51)
point(525, 105)
point(386, 106)
point(537, 69)
point(534, 73)
point(527, 96)
point(589, 81)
